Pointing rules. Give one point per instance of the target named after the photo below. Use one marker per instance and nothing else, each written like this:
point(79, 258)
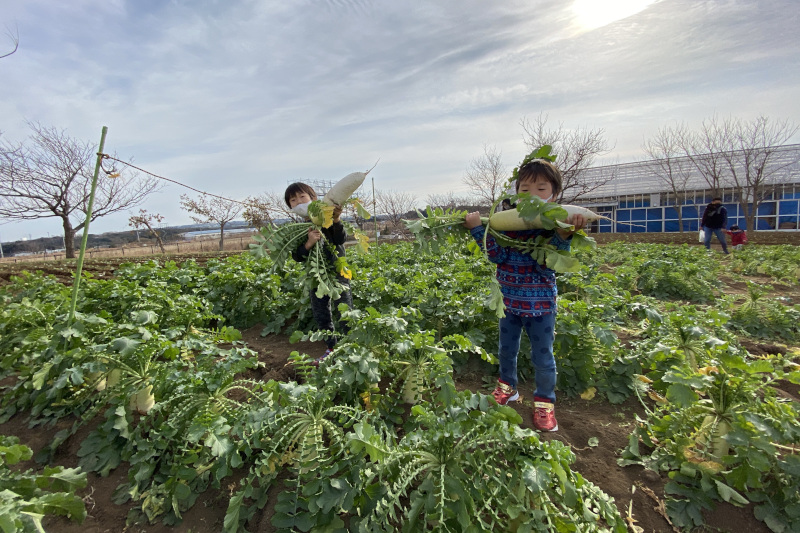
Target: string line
point(106, 156)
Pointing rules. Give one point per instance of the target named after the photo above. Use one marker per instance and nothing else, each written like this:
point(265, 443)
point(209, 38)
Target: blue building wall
point(636, 215)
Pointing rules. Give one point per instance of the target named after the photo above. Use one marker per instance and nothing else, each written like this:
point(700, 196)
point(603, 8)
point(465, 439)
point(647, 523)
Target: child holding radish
point(298, 194)
point(529, 294)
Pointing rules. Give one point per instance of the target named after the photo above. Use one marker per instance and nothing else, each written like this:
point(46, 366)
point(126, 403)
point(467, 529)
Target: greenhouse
point(636, 198)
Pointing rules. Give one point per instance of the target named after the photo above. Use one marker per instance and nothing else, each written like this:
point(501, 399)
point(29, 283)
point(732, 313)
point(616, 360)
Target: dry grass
point(200, 244)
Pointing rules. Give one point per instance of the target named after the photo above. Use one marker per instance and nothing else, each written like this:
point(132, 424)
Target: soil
point(578, 420)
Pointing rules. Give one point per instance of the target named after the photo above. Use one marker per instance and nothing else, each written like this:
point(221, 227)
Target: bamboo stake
point(76, 284)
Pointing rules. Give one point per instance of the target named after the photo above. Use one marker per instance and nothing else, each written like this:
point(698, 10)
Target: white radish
point(345, 187)
point(511, 220)
point(100, 382)
point(412, 387)
point(143, 400)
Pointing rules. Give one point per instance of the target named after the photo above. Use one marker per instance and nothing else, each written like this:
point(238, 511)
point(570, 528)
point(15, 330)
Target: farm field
point(678, 395)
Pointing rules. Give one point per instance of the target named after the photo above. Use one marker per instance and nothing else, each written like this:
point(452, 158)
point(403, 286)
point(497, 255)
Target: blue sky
point(237, 97)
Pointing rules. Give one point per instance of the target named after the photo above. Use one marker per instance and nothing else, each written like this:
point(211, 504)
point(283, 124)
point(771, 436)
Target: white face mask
point(549, 198)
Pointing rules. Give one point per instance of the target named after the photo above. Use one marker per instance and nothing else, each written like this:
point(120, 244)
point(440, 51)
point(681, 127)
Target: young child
point(529, 293)
point(738, 237)
point(300, 193)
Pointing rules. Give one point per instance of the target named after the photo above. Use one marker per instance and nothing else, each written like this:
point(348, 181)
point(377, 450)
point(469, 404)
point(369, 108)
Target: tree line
point(50, 175)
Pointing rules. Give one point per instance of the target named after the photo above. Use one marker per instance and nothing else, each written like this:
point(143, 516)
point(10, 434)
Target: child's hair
point(298, 188)
point(734, 227)
point(544, 168)
point(716, 198)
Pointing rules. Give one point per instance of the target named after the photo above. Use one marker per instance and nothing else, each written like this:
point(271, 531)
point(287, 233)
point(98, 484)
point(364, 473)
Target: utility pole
point(374, 213)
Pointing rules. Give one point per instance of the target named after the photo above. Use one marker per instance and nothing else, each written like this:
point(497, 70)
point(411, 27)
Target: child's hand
point(472, 220)
point(337, 213)
point(579, 221)
point(314, 236)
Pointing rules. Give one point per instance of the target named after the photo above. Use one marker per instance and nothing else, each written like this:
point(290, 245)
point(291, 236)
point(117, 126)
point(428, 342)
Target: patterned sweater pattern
point(529, 289)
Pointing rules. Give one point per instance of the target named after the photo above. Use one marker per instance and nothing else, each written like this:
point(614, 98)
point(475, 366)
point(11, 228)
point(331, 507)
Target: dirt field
point(579, 421)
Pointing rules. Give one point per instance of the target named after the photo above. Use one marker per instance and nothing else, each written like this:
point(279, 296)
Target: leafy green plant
point(305, 434)
point(28, 496)
point(723, 435)
point(764, 317)
point(581, 346)
point(471, 468)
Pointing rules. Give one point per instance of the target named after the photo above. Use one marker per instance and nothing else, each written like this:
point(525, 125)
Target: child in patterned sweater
point(529, 293)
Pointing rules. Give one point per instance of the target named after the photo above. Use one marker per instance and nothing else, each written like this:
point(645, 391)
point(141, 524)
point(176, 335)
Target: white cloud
point(238, 97)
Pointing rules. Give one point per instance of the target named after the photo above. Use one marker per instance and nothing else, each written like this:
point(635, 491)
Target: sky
point(241, 97)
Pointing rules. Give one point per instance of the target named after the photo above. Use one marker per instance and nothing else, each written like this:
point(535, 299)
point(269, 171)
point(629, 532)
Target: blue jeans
point(720, 235)
point(541, 332)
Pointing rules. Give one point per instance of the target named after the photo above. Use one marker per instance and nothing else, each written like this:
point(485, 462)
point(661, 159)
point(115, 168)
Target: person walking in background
point(738, 237)
point(715, 219)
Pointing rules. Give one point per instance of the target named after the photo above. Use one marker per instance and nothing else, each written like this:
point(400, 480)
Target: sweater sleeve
point(561, 244)
point(300, 254)
point(336, 234)
point(496, 253)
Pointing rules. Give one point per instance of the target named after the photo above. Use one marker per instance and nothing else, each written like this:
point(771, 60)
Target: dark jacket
point(715, 216)
point(335, 234)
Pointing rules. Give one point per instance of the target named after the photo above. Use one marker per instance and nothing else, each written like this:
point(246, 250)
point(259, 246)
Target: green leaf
point(730, 495)
point(220, 444)
point(562, 263)
point(124, 345)
point(681, 395)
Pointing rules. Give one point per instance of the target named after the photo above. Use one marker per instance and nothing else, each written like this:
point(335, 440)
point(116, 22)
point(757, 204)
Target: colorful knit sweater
point(529, 289)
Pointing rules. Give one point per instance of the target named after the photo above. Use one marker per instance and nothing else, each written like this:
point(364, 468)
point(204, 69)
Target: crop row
point(155, 352)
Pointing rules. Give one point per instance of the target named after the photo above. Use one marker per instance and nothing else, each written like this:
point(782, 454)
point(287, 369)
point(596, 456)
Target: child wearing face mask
point(322, 308)
point(529, 293)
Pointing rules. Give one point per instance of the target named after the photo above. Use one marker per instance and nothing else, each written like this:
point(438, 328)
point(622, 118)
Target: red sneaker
point(544, 416)
point(504, 393)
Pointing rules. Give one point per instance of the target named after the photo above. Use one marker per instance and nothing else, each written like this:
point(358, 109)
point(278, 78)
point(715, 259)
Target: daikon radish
point(100, 383)
point(143, 400)
point(345, 187)
point(511, 220)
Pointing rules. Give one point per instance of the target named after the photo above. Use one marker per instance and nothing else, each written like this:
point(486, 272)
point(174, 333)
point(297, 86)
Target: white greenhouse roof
point(642, 177)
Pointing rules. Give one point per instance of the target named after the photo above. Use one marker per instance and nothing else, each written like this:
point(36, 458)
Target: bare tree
point(449, 200)
point(264, 210)
point(145, 220)
point(668, 163)
point(52, 177)
point(576, 151)
point(14, 39)
point(212, 209)
point(394, 205)
point(486, 176)
point(705, 149)
point(751, 161)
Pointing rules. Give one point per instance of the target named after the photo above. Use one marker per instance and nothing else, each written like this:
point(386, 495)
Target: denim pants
point(720, 235)
point(541, 332)
point(323, 314)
